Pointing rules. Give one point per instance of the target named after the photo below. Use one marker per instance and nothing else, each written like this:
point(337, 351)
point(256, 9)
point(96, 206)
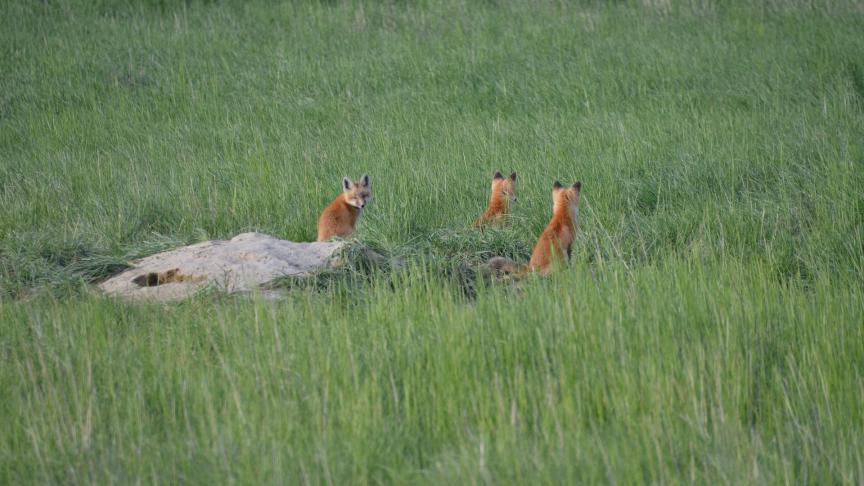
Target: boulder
point(241, 264)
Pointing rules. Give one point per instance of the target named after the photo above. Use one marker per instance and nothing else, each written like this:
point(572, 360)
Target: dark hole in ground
point(152, 279)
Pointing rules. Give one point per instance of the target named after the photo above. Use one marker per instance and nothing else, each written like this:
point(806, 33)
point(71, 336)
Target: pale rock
point(242, 264)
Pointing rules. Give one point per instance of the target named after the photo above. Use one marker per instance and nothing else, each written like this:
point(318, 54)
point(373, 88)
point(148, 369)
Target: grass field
point(709, 329)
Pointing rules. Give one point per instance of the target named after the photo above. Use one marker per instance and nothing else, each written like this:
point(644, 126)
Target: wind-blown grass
point(680, 372)
point(709, 328)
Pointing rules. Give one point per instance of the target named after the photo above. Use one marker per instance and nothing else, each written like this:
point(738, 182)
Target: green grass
point(710, 327)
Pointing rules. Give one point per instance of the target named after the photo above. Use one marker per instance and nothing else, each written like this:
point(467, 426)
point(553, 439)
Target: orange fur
point(556, 241)
point(340, 217)
point(503, 194)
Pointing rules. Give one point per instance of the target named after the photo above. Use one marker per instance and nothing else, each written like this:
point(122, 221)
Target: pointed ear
point(498, 175)
point(577, 185)
point(513, 176)
point(347, 184)
point(557, 185)
point(364, 181)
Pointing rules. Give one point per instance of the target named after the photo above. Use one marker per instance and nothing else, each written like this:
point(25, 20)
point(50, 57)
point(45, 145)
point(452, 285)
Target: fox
point(503, 195)
point(556, 242)
point(340, 217)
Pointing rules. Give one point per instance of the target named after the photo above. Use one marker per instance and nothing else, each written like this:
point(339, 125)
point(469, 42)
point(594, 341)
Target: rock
point(240, 264)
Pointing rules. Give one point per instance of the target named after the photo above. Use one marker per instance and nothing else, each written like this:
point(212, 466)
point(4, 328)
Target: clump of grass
point(450, 256)
point(353, 270)
point(456, 255)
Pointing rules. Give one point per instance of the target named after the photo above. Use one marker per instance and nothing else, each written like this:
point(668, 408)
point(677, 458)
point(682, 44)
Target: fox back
point(556, 241)
point(503, 194)
point(340, 217)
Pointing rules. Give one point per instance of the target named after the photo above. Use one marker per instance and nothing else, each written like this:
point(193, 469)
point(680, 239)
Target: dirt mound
point(240, 264)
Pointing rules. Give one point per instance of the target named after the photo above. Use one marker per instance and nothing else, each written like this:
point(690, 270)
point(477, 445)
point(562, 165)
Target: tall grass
point(709, 328)
point(677, 373)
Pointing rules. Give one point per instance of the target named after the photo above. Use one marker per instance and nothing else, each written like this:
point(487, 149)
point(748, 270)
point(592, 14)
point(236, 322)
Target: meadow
point(709, 328)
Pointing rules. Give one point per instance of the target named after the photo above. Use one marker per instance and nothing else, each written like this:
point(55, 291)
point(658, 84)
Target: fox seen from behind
point(340, 217)
point(503, 194)
point(556, 241)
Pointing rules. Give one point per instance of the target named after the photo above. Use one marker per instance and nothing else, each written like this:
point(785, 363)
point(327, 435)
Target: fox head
point(566, 197)
point(505, 188)
point(357, 193)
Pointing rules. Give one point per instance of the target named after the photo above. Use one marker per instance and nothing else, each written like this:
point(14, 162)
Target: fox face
point(566, 197)
point(357, 193)
point(505, 187)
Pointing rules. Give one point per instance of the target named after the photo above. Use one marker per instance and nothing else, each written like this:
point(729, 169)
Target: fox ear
point(347, 184)
point(498, 175)
point(557, 185)
point(577, 185)
point(364, 181)
point(513, 176)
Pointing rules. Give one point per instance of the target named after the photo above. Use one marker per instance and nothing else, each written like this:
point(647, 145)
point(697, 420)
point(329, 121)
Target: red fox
point(503, 194)
point(340, 216)
point(556, 241)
